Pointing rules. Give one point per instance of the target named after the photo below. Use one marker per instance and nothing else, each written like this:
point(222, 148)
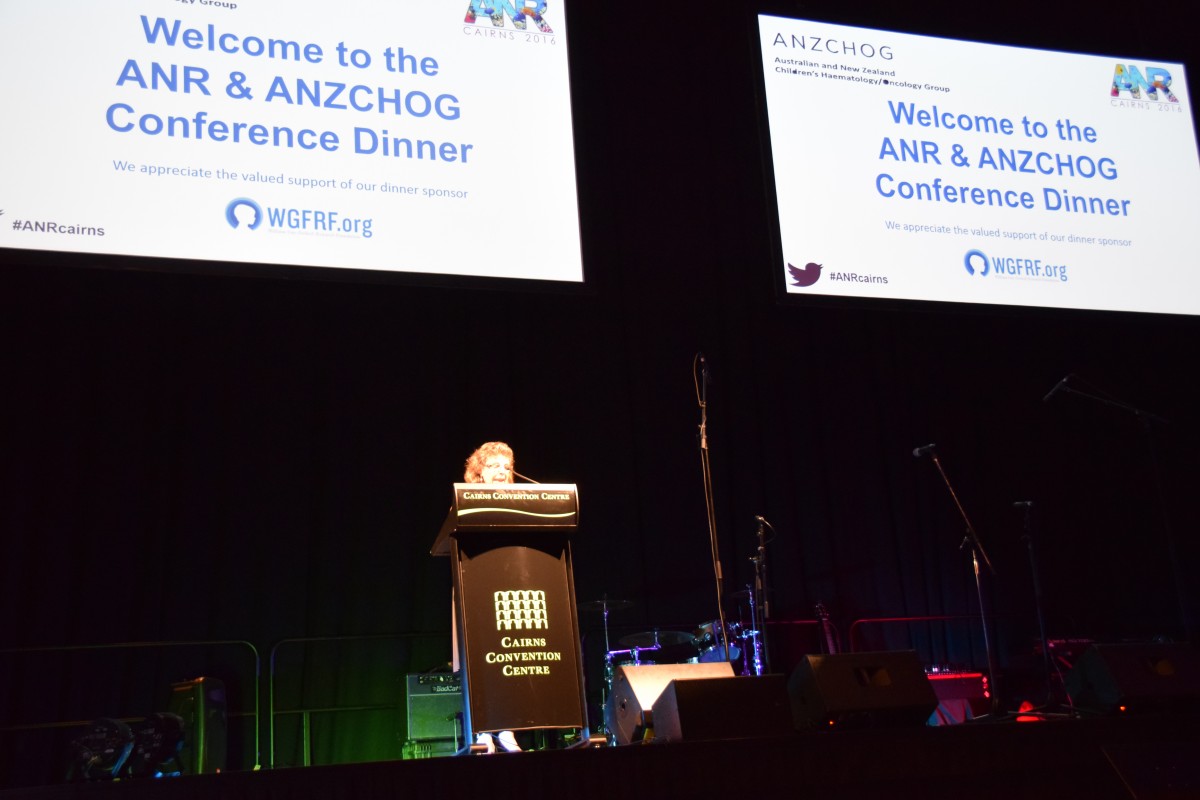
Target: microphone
point(1057, 386)
point(524, 477)
point(1023, 504)
point(920, 451)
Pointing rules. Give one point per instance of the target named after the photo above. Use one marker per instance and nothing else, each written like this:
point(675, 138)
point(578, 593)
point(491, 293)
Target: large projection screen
point(916, 168)
point(403, 137)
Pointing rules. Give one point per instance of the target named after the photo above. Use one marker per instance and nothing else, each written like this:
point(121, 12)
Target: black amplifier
point(435, 706)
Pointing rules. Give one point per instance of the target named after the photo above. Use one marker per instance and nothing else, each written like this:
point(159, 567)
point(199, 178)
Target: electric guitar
point(828, 635)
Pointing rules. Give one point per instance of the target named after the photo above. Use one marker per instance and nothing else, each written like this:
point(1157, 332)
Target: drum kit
point(706, 644)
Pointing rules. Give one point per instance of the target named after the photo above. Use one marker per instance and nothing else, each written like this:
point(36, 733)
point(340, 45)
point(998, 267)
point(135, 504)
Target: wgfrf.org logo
point(976, 262)
point(244, 214)
point(518, 12)
point(979, 265)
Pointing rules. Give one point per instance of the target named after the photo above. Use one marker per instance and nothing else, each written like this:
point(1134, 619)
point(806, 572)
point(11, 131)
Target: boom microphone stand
point(702, 400)
point(1027, 538)
point(971, 539)
point(1147, 421)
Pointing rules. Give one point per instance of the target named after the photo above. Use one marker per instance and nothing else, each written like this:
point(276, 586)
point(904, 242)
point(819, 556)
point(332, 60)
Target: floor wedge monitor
point(886, 689)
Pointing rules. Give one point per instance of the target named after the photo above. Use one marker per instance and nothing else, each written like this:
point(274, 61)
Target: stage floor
point(1132, 757)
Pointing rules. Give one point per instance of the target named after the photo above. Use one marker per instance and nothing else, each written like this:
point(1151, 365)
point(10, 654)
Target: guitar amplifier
point(959, 685)
point(435, 706)
point(961, 694)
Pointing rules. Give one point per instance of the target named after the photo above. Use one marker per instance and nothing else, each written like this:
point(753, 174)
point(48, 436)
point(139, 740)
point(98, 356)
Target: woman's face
point(497, 469)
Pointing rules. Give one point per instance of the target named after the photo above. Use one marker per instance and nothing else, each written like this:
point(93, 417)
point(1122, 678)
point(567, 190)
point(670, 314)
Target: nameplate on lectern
point(504, 507)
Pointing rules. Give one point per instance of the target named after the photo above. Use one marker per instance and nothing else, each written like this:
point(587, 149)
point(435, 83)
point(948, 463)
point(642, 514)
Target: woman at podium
point(492, 462)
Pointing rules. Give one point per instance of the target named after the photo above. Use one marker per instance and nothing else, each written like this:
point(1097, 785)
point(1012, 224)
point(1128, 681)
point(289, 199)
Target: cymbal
point(605, 604)
point(652, 638)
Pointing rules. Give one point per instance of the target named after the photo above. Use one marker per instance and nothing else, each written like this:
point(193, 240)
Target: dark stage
point(1148, 758)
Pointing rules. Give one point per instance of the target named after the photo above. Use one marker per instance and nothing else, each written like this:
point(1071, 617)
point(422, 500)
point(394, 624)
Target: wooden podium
point(514, 609)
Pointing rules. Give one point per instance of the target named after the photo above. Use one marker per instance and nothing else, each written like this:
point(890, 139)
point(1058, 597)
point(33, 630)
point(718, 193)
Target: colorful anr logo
point(1128, 78)
point(496, 9)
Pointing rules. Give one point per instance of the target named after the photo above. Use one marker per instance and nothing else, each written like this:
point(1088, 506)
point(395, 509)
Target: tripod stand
point(1050, 668)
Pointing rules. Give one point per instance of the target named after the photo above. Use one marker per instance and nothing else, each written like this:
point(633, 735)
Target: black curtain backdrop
point(206, 458)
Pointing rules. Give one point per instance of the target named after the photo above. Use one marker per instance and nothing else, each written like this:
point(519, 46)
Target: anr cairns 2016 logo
point(1128, 78)
point(519, 12)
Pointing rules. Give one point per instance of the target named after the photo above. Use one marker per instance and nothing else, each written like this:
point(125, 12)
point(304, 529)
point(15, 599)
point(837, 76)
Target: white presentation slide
point(416, 137)
point(918, 168)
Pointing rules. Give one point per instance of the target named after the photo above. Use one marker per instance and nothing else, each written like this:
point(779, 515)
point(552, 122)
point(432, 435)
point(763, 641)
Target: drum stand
point(754, 645)
point(604, 606)
point(760, 612)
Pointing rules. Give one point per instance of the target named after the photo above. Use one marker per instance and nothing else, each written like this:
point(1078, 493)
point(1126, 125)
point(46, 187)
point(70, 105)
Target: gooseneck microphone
point(920, 451)
point(1056, 388)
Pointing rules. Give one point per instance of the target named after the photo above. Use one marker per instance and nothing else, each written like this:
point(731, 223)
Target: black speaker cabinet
point(628, 711)
point(722, 708)
point(1136, 677)
point(861, 690)
point(201, 704)
point(435, 707)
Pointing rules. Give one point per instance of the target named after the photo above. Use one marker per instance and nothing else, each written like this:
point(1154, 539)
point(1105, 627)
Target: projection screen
point(910, 167)
point(397, 137)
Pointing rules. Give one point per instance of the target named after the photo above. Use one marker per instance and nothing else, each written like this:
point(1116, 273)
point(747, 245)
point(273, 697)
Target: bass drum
point(710, 645)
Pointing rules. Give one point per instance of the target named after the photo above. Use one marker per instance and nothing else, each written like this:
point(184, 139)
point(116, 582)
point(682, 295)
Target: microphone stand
point(710, 508)
point(971, 539)
point(1027, 538)
point(1147, 419)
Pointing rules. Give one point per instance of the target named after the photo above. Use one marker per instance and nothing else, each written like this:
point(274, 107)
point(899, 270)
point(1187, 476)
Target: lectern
point(514, 605)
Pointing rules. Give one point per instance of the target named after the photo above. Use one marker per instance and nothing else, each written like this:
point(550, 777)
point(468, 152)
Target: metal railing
point(307, 713)
point(853, 633)
point(127, 646)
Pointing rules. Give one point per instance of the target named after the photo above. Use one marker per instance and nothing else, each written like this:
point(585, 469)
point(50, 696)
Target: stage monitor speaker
point(1136, 677)
point(887, 689)
point(201, 704)
point(628, 711)
point(435, 707)
point(722, 708)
